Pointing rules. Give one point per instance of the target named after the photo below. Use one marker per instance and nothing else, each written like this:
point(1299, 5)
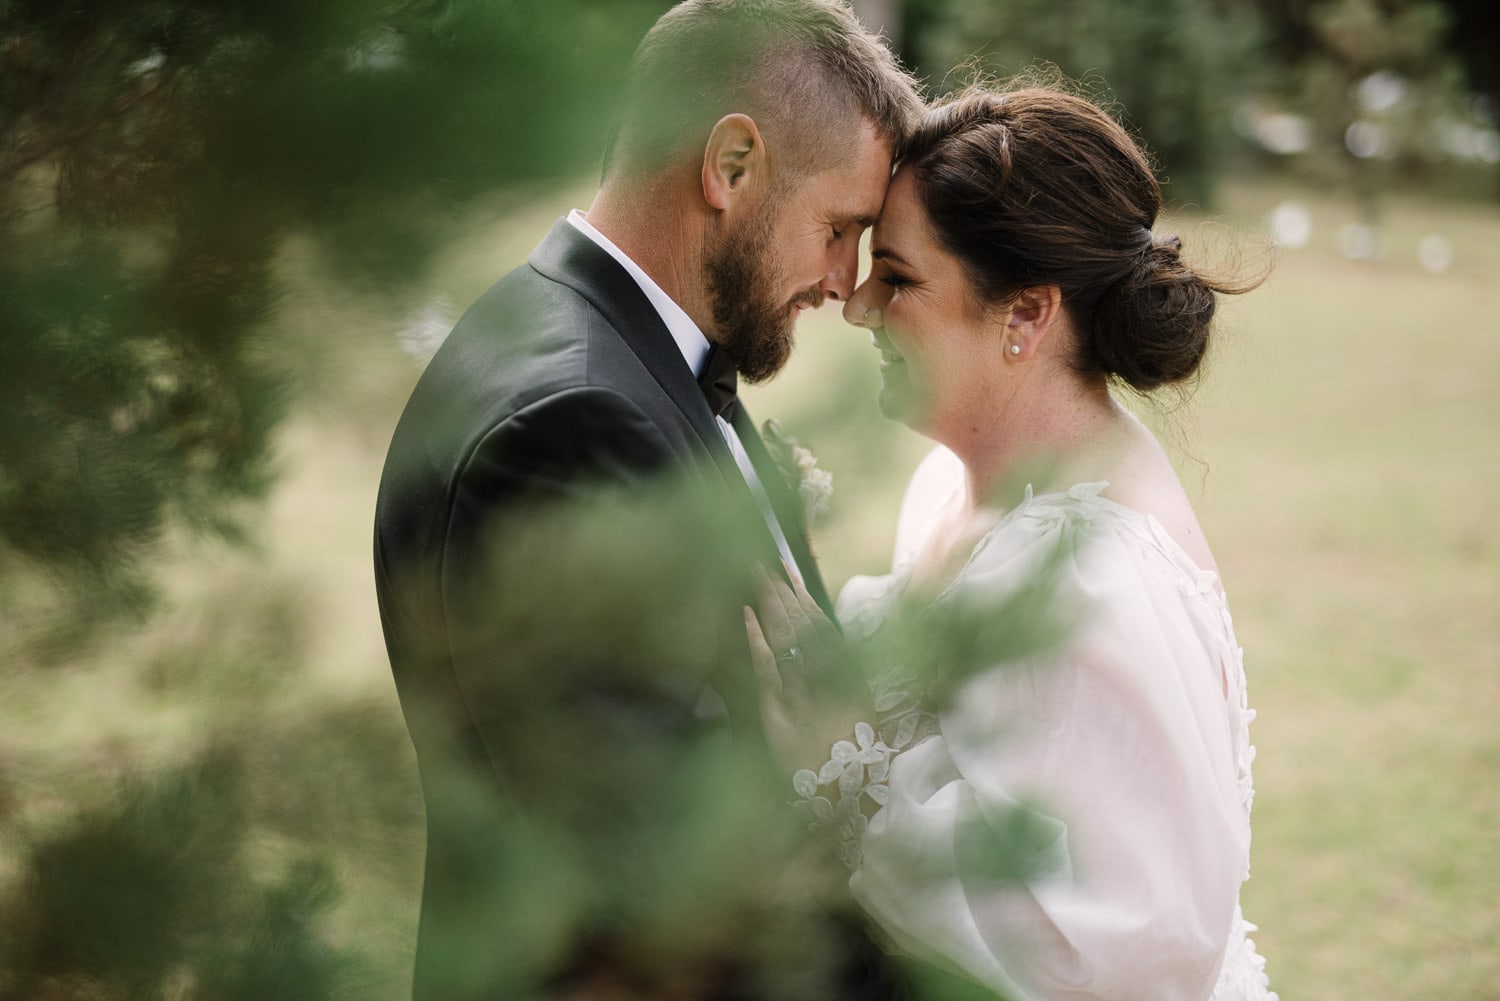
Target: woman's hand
point(810, 694)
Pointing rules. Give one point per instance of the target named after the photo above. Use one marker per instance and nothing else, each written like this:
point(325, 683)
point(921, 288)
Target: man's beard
point(756, 331)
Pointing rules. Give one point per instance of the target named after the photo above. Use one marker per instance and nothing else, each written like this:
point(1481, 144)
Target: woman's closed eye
point(894, 280)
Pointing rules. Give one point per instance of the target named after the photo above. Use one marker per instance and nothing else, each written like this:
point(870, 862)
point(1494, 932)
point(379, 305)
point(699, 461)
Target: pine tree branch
point(119, 106)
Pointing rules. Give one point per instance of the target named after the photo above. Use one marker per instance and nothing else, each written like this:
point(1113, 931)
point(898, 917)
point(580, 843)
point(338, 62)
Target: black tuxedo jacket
point(560, 377)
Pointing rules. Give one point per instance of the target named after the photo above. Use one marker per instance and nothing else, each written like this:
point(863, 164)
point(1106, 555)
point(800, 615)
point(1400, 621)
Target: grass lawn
point(1343, 455)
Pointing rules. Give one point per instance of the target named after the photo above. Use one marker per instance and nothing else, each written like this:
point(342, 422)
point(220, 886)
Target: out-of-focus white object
point(1435, 253)
point(146, 66)
point(1359, 242)
point(1463, 141)
point(425, 328)
point(1291, 225)
point(1487, 145)
point(377, 54)
point(1381, 91)
point(1366, 139)
point(1276, 131)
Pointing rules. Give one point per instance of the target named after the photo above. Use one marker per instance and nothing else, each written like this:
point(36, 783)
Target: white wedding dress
point(1131, 744)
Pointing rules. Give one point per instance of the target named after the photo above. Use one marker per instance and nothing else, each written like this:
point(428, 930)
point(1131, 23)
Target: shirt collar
point(690, 340)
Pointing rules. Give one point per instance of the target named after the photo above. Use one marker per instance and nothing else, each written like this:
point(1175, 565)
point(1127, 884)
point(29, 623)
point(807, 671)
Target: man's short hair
point(806, 71)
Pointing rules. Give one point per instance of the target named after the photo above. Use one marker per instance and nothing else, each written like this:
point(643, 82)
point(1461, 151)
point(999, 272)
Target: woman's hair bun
point(1150, 328)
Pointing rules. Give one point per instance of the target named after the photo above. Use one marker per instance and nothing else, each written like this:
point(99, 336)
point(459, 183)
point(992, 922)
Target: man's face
point(796, 250)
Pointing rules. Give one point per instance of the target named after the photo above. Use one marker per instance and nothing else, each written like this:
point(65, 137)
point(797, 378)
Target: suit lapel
point(569, 257)
point(786, 504)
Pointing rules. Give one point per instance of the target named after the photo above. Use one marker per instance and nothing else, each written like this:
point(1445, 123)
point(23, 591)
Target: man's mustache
point(812, 298)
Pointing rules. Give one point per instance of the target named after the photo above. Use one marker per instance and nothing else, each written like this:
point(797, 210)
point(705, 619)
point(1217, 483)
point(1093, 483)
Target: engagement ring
point(791, 654)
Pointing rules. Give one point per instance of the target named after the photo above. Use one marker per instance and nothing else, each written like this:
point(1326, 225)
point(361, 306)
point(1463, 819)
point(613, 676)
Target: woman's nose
point(861, 309)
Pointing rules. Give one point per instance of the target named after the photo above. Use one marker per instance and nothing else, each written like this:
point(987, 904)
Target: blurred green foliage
point(612, 849)
point(155, 158)
point(155, 891)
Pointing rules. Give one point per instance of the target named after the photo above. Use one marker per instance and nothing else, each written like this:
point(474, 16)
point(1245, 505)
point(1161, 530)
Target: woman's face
point(940, 349)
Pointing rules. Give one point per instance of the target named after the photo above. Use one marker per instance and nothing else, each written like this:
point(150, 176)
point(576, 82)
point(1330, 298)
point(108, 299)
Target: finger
point(795, 613)
point(791, 607)
point(803, 657)
point(799, 589)
point(818, 637)
point(762, 658)
point(777, 624)
point(823, 627)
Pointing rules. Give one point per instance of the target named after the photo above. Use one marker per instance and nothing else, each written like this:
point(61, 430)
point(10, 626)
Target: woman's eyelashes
point(894, 280)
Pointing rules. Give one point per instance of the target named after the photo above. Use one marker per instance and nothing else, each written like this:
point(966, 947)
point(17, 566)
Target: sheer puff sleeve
point(1121, 744)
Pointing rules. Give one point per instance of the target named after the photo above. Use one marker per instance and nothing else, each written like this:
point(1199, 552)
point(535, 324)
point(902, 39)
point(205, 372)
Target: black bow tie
point(718, 382)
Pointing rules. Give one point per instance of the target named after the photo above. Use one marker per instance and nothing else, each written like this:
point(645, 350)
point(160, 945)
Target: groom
point(754, 147)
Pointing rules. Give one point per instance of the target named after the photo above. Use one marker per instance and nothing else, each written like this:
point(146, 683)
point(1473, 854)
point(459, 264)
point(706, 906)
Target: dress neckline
point(1090, 494)
point(1148, 523)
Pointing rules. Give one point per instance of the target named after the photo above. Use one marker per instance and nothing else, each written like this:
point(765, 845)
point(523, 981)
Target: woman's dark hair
point(1037, 186)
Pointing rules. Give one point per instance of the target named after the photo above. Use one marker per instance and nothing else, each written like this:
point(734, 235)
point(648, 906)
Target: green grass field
point(1343, 455)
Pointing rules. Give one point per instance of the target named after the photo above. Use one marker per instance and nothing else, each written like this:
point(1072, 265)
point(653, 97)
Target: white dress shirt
point(694, 347)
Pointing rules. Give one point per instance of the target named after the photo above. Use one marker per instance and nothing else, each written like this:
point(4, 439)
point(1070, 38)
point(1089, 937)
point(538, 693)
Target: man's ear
point(734, 160)
point(1032, 315)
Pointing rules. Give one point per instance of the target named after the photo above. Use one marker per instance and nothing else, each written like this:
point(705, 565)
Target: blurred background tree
point(1475, 39)
point(1174, 68)
point(1414, 80)
point(1385, 96)
point(1418, 78)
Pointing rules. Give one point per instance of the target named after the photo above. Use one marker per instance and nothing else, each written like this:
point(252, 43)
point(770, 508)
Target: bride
point(1016, 276)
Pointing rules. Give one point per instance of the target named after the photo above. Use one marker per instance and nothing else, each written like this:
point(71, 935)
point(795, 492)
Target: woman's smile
point(888, 353)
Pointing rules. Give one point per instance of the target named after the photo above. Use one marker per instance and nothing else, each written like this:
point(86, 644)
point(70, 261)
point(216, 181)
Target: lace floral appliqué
point(855, 772)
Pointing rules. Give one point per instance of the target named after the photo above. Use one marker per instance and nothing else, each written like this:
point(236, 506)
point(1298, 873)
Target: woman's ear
point(734, 160)
point(1032, 315)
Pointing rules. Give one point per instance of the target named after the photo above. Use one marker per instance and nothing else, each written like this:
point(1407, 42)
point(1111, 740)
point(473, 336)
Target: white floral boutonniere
point(799, 468)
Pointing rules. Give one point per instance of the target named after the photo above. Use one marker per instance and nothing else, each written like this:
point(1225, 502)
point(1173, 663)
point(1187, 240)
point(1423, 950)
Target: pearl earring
point(1015, 349)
